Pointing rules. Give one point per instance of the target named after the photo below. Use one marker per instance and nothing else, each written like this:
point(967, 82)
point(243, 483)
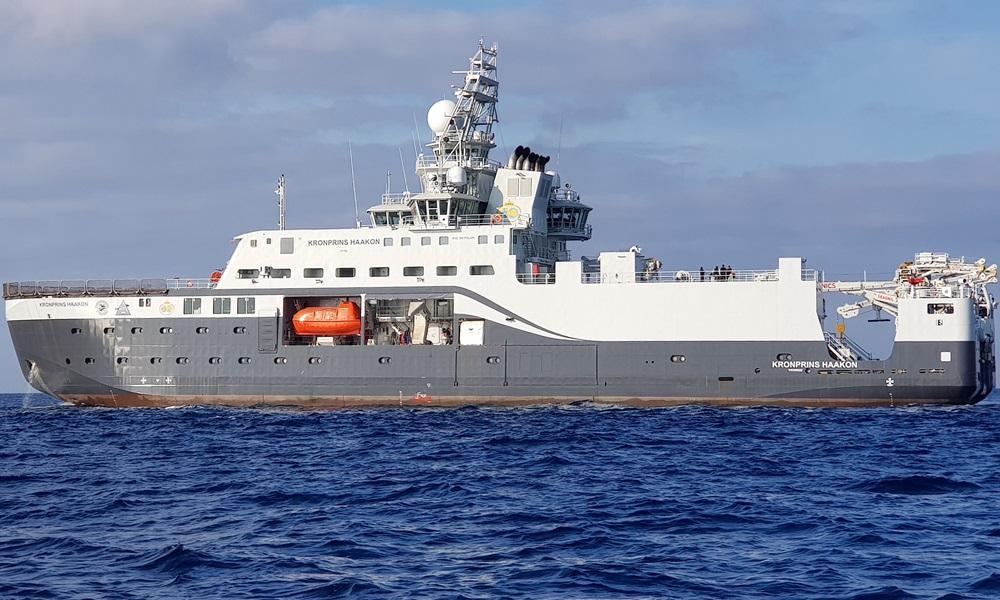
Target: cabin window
point(315, 360)
point(484, 239)
point(313, 273)
point(481, 270)
point(493, 360)
point(498, 239)
point(280, 360)
point(281, 273)
point(244, 360)
point(89, 360)
point(122, 360)
point(726, 379)
point(387, 241)
point(941, 308)
point(222, 306)
point(155, 360)
point(109, 331)
point(413, 271)
point(425, 241)
point(287, 245)
point(69, 362)
point(443, 240)
point(248, 273)
point(246, 306)
point(253, 243)
point(404, 241)
point(447, 271)
point(268, 241)
point(166, 330)
point(183, 360)
point(784, 356)
point(384, 360)
point(201, 330)
point(76, 331)
point(345, 272)
point(678, 358)
point(215, 360)
point(239, 329)
point(192, 306)
point(136, 330)
point(378, 272)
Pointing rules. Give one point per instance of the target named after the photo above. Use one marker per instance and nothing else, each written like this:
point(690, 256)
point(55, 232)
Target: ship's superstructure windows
point(239, 330)
point(481, 270)
point(425, 240)
point(387, 242)
point(314, 273)
point(287, 245)
point(253, 243)
point(155, 360)
point(192, 306)
point(76, 331)
point(413, 271)
point(215, 360)
point(244, 360)
point(315, 360)
point(484, 239)
point(784, 356)
point(109, 331)
point(345, 271)
point(222, 306)
point(447, 271)
point(281, 273)
point(136, 330)
point(166, 330)
point(404, 241)
point(248, 273)
point(678, 358)
point(498, 239)
point(443, 240)
point(280, 360)
point(122, 360)
point(201, 330)
point(246, 306)
point(941, 308)
point(89, 360)
point(183, 360)
point(378, 272)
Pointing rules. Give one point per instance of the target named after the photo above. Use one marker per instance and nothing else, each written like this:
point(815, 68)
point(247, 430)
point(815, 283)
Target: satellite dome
point(439, 114)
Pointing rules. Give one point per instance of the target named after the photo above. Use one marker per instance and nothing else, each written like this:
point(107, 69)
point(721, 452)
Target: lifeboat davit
point(328, 320)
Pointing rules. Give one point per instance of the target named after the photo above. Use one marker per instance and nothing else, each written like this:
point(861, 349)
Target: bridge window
point(345, 272)
point(246, 306)
point(248, 273)
point(314, 273)
point(221, 306)
point(281, 273)
point(378, 272)
point(481, 270)
point(447, 271)
point(192, 306)
point(941, 308)
point(413, 271)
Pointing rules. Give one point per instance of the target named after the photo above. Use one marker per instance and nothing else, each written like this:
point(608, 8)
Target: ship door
point(267, 333)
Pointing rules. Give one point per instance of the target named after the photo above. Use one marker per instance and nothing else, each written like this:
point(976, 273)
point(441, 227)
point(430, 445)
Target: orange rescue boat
point(328, 320)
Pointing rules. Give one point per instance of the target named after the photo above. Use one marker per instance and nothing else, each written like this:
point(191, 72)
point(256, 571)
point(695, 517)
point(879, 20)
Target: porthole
point(315, 360)
point(280, 360)
point(784, 356)
point(725, 379)
point(68, 361)
point(201, 330)
point(109, 330)
point(155, 360)
point(136, 330)
point(122, 360)
point(384, 360)
point(244, 360)
point(214, 360)
point(239, 329)
point(76, 331)
point(166, 330)
point(493, 360)
point(183, 360)
point(89, 360)
point(678, 358)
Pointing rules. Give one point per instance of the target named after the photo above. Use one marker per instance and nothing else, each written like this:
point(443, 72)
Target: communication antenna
point(402, 166)
point(559, 147)
point(281, 201)
point(354, 185)
point(388, 182)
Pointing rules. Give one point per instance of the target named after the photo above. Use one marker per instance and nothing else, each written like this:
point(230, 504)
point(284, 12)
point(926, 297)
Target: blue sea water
point(578, 502)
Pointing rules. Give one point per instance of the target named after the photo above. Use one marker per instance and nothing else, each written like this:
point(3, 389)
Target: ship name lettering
point(814, 364)
point(347, 242)
point(63, 304)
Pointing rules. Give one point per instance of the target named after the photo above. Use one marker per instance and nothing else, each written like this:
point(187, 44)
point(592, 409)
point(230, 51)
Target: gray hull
point(512, 368)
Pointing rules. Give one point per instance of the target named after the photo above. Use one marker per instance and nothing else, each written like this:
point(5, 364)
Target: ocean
point(569, 502)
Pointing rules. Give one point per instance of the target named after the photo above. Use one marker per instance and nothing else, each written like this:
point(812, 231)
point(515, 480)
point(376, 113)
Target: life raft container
point(328, 320)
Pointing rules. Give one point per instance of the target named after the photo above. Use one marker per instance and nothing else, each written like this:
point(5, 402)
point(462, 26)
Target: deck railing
point(72, 288)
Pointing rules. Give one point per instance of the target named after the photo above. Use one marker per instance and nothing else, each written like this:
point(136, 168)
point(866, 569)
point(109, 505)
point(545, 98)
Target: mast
point(281, 201)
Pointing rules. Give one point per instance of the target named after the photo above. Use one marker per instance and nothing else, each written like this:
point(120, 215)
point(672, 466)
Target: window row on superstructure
point(348, 272)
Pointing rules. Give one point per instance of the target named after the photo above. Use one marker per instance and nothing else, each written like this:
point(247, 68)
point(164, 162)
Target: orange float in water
point(328, 321)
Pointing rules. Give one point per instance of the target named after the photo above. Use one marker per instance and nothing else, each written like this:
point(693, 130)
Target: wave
point(916, 485)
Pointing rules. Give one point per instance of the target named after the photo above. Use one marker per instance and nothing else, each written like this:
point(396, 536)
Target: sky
point(136, 139)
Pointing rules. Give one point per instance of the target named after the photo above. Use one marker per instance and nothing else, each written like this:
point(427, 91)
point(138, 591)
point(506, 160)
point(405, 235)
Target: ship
point(466, 293)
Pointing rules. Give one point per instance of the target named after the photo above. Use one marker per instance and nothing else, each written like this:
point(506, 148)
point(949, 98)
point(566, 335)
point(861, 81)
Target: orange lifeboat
point(328, 321)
